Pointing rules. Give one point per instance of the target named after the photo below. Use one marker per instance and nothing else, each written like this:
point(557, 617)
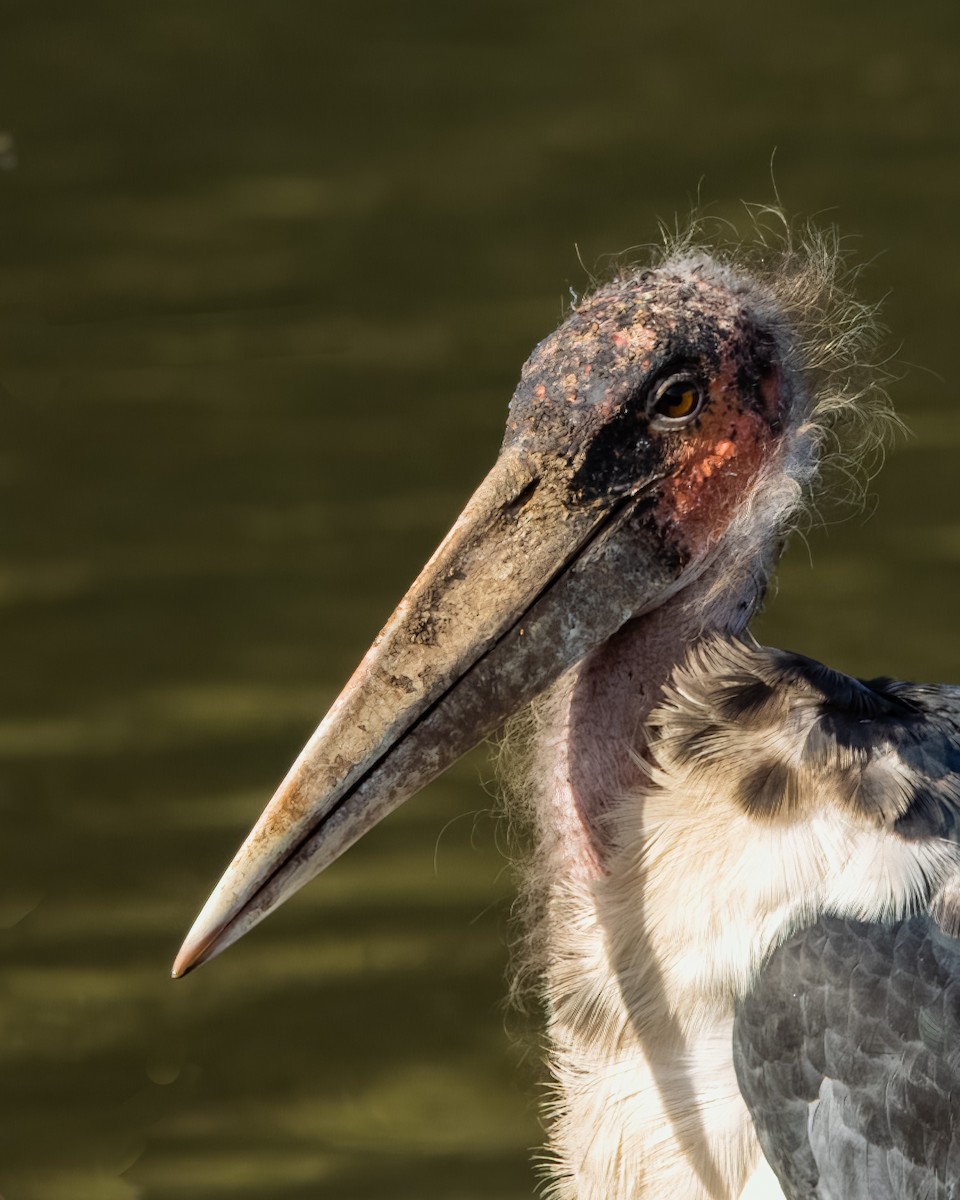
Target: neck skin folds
point(591, 753)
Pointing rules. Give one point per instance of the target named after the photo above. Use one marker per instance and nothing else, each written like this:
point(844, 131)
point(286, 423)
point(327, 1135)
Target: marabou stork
point(750, 863)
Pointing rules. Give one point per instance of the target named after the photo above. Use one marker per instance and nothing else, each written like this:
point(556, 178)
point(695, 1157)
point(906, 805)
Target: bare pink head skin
point(666, 416)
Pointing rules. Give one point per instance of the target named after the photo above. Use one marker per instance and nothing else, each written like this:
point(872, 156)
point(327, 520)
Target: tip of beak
point(185, 962)
point(209, 935)
point(194, 952)
point(231, 910)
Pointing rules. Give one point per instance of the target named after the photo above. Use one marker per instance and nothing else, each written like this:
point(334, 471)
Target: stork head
point(667, 426)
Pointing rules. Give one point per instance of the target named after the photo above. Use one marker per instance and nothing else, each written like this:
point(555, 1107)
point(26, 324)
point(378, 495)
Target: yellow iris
point(681, 405)
point(677, 398)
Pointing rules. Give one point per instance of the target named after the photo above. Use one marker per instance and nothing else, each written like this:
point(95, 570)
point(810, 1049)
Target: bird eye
point(678, 399)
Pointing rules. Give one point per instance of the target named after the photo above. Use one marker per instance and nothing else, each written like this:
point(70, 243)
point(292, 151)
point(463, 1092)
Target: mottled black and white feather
point(801, 735)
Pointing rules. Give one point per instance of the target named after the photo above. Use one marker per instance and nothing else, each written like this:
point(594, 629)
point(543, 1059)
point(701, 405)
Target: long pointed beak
point(531, 577)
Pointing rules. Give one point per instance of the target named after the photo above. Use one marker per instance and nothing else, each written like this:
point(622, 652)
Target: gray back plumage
point(847, 1052)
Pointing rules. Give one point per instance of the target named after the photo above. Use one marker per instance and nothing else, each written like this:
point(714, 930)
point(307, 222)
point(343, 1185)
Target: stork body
point(724, 830)
point(680, 1045)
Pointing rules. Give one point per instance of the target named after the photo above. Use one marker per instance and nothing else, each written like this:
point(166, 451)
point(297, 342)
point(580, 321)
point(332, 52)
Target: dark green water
point(267, 275)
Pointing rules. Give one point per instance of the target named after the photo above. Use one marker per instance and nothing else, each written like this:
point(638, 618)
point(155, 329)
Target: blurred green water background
point(267, 275)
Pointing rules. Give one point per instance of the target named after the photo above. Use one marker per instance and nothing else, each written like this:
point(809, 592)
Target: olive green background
point(268, 271)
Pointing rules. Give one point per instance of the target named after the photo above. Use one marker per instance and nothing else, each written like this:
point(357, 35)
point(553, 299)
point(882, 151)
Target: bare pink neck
point(598, 734)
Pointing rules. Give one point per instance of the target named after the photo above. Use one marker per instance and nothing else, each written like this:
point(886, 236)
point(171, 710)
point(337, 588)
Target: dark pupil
point(679, 399)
